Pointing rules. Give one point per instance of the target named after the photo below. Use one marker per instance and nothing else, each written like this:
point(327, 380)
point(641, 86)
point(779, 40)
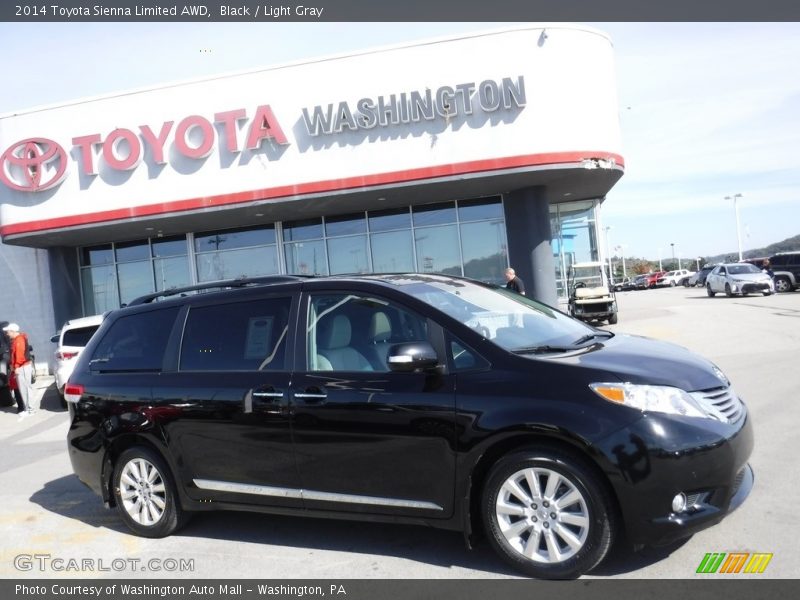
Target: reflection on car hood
point(750, 276)
point(641, 360)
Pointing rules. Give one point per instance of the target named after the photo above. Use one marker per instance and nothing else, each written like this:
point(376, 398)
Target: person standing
point(514, 283)
point(21, 366)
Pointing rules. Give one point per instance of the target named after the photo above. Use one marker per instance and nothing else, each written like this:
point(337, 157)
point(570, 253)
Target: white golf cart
point(591, 297)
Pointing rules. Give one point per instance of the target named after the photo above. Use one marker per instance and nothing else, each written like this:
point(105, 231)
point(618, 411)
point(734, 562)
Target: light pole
point(735, 197)
point(672, 244)
point(660, 267)
point(621, 250)
point(698, 262)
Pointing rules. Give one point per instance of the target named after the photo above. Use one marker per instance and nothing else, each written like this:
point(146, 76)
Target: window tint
point(354, 333)
point(135, 342)
point(464, 358)
point(241, 336)
point(79, 336)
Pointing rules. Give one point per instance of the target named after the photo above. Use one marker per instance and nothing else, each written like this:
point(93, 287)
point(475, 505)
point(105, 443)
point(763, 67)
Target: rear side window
point(135, 342)
point(241, 336)
point(79, 336)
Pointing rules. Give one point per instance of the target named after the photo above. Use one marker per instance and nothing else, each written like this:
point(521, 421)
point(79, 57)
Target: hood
point(641, 360)
point(750, 277)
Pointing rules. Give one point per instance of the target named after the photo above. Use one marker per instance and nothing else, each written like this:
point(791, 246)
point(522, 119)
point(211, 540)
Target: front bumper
point(661, 456)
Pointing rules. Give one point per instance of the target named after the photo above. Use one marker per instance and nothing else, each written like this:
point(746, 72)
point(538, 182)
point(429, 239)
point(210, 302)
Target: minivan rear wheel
point(145, 494)
point(547, 514)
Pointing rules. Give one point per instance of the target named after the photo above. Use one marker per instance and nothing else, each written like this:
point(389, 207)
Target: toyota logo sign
point(33, 165)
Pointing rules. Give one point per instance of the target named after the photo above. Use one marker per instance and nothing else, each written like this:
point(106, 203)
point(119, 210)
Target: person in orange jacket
point(21, 366)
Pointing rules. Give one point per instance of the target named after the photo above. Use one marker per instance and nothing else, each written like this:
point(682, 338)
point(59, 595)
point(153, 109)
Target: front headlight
point(651, 398)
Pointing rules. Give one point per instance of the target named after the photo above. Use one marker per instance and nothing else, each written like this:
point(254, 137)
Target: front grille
point(721, 403)
point(749, 288)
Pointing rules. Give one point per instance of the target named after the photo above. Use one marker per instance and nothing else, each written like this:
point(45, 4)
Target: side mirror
point(413, 356)
point(55, 338)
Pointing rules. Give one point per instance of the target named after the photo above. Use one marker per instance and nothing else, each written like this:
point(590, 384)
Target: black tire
point(672, 283)
point(767, 293)
point(161, 492)
point(593, 507)
point(612, 320)
point(728, 291)
point(61, 400)
point(709, 292)
point(782, 284)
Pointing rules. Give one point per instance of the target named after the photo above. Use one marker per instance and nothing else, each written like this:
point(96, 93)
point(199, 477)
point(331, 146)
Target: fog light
point(679, 503)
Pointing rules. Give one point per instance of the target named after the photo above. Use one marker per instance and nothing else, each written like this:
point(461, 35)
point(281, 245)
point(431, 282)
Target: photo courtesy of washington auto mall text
point(169, 590)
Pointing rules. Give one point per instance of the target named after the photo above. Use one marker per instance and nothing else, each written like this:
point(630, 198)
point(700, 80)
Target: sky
point(707, 110)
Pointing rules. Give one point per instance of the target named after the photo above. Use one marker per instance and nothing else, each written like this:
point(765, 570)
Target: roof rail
point(225, 284)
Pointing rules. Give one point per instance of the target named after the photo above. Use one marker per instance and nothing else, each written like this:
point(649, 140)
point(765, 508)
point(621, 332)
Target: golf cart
point(591, 297)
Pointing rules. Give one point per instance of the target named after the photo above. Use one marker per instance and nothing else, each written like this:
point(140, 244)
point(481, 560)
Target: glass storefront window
point(480, 210)
point(99, 289)
point(97, 255)
point(483, 247)
point(386, 220)
point(392, 252)
point(230, 239)
point(308, 229)
point(232, 264)
point(345, 225)
point(434, 214)
point(348, 254)
point(171, 246)
point(172, 272)
point(306, 258)
point(129, 251)
point(135, 279)
point(437, 250)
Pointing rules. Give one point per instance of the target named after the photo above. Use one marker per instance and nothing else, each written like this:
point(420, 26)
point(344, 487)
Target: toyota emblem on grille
point(33, 165)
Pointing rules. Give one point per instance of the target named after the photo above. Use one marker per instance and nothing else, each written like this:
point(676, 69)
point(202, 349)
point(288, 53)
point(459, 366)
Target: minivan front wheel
point(145, 494)
point(547, 514)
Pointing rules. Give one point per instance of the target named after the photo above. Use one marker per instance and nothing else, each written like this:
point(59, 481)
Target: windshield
point(589, 276)
point(509, 320)
point(742, 269)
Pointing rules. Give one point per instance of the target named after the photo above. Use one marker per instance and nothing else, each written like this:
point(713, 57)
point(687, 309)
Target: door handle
point(312, 395)
point(264, 395)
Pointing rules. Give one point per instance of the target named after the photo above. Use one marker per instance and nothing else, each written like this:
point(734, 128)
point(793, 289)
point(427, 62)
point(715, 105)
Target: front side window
point(511, 321)
point(349, 332)
point(135, 342)
point(241, 336)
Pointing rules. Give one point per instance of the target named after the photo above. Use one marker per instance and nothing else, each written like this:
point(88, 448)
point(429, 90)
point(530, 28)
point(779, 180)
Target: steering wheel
point(579, 284)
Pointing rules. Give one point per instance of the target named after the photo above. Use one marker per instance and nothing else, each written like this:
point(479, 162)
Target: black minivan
point(416, 398)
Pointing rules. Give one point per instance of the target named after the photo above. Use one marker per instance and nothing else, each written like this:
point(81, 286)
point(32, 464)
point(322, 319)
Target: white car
point(71, 340)
point(738, 278)
point(673, 278)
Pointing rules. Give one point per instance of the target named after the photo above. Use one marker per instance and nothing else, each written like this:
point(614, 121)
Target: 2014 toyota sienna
point(413, 398)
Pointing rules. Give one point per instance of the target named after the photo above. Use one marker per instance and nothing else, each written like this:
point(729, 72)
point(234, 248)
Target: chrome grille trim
point(721, 403)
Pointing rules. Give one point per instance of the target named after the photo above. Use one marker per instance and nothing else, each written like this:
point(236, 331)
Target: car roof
point(231, 285)
point(83, 322)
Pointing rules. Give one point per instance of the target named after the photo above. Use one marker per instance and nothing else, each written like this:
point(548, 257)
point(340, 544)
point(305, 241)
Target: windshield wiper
point(591, 336)
point(542, 349)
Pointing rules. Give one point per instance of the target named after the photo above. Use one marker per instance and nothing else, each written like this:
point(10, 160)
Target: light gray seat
point(380, 332)
point(334, 336)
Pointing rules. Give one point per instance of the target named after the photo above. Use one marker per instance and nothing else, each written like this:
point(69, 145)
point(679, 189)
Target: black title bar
point(406, 10)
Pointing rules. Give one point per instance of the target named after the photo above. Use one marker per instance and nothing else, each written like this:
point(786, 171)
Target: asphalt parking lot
point(755, 340)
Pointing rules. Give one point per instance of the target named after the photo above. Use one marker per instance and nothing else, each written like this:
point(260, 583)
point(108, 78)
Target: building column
point(530, 254)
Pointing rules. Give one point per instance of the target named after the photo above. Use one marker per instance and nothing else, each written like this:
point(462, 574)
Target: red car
point(651, 279)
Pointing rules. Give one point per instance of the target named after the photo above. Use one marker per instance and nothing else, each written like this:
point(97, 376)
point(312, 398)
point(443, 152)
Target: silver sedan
point(738, 278)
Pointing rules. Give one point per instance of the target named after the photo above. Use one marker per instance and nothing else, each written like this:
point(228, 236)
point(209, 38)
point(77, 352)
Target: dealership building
point(462, 155)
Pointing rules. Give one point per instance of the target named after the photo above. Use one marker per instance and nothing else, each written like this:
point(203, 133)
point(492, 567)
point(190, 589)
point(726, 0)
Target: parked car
point(673, 278)
point(699, 278)
point(738, 278)
point(71, 340)
point(651, 279)
point(786, 271)
point(640, 281)
point(626, 284)
point(417, 398)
